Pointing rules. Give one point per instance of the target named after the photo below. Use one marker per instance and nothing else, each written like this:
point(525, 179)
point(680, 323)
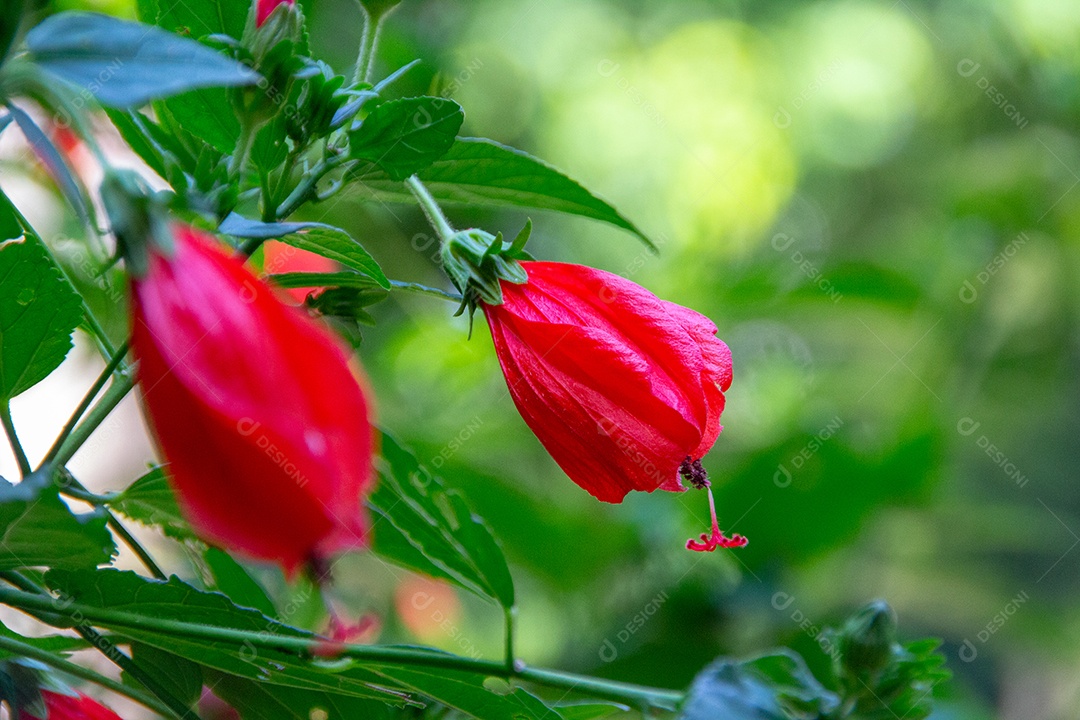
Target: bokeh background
point(878, 203)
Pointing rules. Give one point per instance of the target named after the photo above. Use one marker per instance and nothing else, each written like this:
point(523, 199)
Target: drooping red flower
point(263, 423)
point(625, 390)
point(263, 8)
point(73, 707)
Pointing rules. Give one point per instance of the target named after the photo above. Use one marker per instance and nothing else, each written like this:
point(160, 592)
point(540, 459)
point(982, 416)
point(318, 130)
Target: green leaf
point(38, 313)
point(206, 113)
point(777, 686)
point(150, 501)
point(131, 127)
point(126, 64)
point(318, 238)
point(590, 711)
point(475, 171)
point(231, 578)
point(421, 525)
point(405, 136)
point(182, 678)
point(258, 701)
point(38, 529)
point(199, 18)
point(178, 601)
point(466, 692)
point(316, 280)
point(59, 644)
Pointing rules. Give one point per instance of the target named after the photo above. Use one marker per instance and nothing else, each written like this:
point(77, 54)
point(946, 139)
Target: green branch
point(13, 439)
point(307, 647)
point(431, 208)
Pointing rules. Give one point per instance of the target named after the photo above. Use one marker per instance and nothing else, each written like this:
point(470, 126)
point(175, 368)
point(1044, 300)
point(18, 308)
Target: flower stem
point(21, 649)
point(431, 208)
point(369, 43)
point(13, 439)
point(425, 290)
point(103, 378)
point(308, 646)
point(136, 547)
point(246, 141)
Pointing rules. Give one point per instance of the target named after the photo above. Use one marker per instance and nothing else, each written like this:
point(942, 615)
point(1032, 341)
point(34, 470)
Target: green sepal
point(138, 217)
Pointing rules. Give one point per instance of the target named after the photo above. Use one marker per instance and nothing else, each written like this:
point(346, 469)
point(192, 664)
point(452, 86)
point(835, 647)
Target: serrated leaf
point(179, 601)
point(421, 525)
point(319, 238)
point(38, 530)
point(405, 136)
point(231, 578)
point(150, 501)
point(776, 686)
point(126, 64)
point(476, 171)
point(38, 313)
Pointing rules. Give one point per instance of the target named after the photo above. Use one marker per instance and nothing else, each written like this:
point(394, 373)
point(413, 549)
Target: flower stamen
point(717, 539)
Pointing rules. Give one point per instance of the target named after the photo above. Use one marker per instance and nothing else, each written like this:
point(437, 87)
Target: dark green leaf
point(231, 578)
point(771, 687)
point(178, 601)
point(182, 678)
point(53, 161)
point(38, 529)
point(317, 280)
point(150, 501)
point(318, 238)
point(10, 21)
point(476, 171)
point(465, 691)
point(38, 313)
point(590, 711)
point(206, 113)
point(259, 701)
point(199, 18)
point(132, 130)
point(126, 64)
point(405, 136)
point(421, 525)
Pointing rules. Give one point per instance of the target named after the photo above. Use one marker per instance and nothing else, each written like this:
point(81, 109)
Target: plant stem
point(431, 208)
point(13, 439)
point(21, 649)
point(369, 42)
point(300, 193)
point(136, 546)
point(75, 439)
point(244, 143)
point(510, 615)
point(103, 378)
point(308, 646)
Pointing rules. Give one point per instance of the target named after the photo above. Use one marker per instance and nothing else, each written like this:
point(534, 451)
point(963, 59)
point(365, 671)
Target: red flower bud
point(73, 707)
point(621, 387)
point(263, 424)
point(263, 8)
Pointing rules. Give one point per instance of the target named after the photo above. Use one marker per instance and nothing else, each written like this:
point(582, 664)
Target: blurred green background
point(878, 205)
